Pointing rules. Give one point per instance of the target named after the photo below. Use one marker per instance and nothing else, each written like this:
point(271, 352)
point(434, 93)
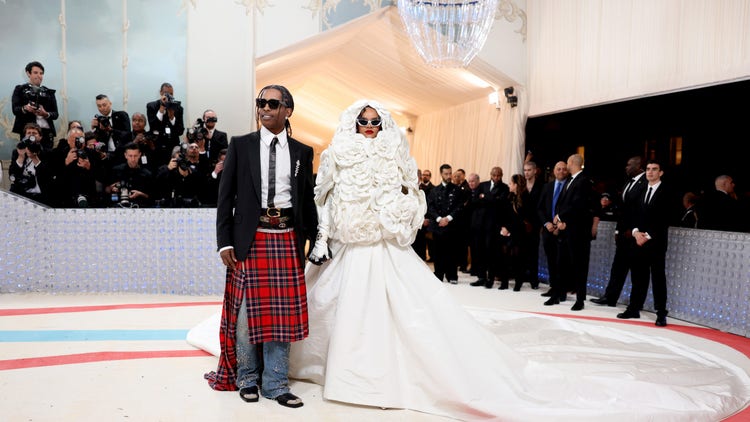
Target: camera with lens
point(80, 142)
point(123, 199)
point(32, 94)
point(182, 162)
point(82, 201)
point(198, 132)
point(81, 153)
point(169, 101)
point(103, 121)
point(29, 143)
point(22, 183)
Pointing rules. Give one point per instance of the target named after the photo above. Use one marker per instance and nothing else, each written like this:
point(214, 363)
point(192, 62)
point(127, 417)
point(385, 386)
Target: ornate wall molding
point(508, 10)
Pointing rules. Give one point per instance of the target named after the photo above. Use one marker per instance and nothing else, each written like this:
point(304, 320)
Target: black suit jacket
point(575, 206)
point(239, 201)
point(214, 145)
point(655, 217)
point(121, 132)
point(46, 99)
point(155, 125)
point(545, 213)
point(442, 202)
point(630, 203)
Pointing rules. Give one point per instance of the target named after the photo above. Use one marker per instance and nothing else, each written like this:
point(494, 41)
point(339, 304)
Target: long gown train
point(385, 332)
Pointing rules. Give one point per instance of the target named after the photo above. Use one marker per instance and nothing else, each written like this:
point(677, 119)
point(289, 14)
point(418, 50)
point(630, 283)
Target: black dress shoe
point(600, 301)
point(249, 394)
point(480, 282)
point(661, 321)
point(503, 286)
point(629, 314)
point(489, 284)
point(548, 293)
point(517, 287)
point(578, 306)
point(534, 285)
point(552, 301)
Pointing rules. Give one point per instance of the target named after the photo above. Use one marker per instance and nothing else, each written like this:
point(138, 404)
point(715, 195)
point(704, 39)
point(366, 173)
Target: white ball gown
point(385, 332)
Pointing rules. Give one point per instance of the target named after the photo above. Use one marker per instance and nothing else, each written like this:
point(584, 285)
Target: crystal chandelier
point(448, 33)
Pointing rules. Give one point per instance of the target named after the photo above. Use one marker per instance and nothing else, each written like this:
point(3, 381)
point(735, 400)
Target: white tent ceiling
point(370, 57)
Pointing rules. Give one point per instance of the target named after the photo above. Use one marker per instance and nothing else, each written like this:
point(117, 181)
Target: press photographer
point(146, 141)
point(181, 180)
point(28, 175)
point(216, 140)
point(131, 184)
point(34, 103)
point(112, 128)
point(75, 182)
point(166, 121)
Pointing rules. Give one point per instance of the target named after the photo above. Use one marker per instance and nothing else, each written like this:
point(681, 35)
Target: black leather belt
point(276, 218)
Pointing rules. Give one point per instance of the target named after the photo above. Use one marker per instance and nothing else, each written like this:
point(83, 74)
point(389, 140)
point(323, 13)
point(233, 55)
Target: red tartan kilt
point(274, 285)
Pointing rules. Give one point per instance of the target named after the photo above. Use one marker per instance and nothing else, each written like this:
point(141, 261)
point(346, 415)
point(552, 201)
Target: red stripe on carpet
point(64, 309)
point(96, 357)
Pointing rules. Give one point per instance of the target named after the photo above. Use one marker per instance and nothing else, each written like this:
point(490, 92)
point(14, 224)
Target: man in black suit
point(34, 103)
point(112, 128)
point(720, 209)
point(165, 120)
point(491, 193)
point(443, 208)
point(531, 255)
point(215, 139)
point(264, 215)
point(550, 235)
point(574, 219)
point(650, 230)
point(631, 195)
point(426, 186)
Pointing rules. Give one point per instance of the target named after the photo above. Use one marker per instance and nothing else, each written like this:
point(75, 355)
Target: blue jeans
point(275, 361)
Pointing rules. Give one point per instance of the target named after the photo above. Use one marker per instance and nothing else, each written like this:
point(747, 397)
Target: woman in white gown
point(385, 332)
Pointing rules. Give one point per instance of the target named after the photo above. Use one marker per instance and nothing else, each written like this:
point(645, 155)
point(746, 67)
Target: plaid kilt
point(273, 283)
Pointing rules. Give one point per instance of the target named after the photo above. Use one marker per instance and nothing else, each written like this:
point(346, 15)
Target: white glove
point(320, 252)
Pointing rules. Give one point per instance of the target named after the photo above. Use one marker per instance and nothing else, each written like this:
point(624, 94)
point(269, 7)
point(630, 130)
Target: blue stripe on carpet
point(90, 335)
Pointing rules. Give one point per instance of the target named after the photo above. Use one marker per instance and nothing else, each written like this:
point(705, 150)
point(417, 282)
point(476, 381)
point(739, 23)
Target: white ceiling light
point(447, 33)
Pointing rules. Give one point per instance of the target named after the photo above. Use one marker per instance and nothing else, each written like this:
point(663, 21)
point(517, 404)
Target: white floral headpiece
point(348, 122)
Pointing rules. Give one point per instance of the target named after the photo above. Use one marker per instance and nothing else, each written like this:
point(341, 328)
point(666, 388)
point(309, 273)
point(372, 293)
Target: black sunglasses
point(273, 104)
point(365, 122)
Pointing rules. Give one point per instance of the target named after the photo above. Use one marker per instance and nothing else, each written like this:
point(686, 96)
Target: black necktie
point(272, 172)
point(648, 195)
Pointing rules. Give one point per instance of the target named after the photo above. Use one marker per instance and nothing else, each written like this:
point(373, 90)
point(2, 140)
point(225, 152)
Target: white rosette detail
point(374, 181)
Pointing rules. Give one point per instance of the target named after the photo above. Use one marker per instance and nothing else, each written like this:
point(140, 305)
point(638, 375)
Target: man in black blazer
point(33, 102)
point(550, 234)
point(112, 128)
point(491, 193)
point(264, 215)
point(165, 120)
point(216, 140)
point(574, 218)
point(444, 206)
point(632, 192)
point(650, 230)
point(531, 256)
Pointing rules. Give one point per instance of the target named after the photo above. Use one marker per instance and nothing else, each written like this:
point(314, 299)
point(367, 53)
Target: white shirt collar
point(266, 136)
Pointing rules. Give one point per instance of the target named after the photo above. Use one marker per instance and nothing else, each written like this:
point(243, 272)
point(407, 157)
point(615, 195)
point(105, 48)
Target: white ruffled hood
point(367, 179)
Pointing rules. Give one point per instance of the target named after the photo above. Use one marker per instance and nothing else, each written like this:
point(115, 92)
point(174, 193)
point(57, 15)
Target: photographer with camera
point(74, 174)
point(28, 175)
point(165, 120)
point(181, 180)
point(216, 140)
point(34, 103)
point(112, 128)
point(130, 183)
point(145, 141)
point(210, 192)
